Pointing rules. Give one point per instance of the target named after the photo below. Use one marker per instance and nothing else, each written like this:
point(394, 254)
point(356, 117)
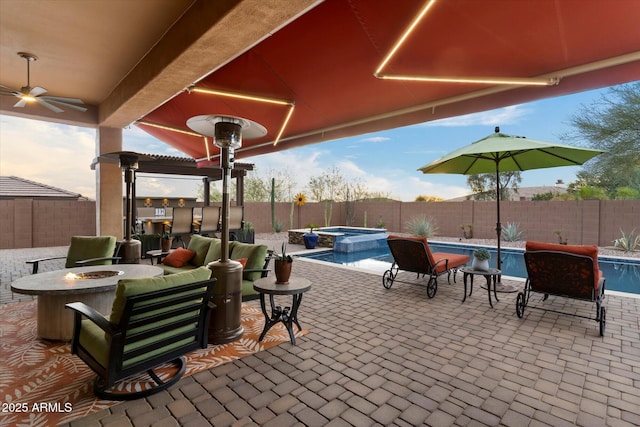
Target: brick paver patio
point(394, 357)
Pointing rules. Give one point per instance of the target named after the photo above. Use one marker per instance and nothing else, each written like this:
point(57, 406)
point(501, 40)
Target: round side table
point(491, 275)
point(287, 315)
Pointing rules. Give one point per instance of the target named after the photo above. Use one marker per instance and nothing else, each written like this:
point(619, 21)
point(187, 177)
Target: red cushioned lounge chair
point(568, 271)
point(413, 254)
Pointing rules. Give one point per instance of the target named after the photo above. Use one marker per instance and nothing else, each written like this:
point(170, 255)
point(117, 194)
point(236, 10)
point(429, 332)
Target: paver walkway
point(394, 357)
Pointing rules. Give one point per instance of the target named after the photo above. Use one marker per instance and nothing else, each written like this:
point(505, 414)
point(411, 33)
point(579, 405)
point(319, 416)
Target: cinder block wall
point(594, 222)
point(32, 223)
point(26, 223)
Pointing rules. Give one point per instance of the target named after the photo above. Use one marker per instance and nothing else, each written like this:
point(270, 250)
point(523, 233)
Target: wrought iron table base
point(490, 276)
point(287, 315)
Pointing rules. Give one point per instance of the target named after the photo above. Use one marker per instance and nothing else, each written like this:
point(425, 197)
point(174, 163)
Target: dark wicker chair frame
point(412, 255)
point(565, 275)
point(176, 307)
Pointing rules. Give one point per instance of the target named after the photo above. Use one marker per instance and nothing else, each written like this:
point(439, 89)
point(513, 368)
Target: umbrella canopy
point(502, 153)
point(499, 152)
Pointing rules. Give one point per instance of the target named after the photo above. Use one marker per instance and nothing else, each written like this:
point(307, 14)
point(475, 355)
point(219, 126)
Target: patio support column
point(240, 188)
point(109, 208)
point(207, 188)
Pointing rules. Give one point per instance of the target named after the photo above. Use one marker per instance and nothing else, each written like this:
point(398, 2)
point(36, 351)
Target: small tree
point(484, 185)
point(611, 124)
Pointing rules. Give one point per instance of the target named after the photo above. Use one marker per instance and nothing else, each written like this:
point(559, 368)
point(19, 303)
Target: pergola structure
point(185, 166)
point(307, 70)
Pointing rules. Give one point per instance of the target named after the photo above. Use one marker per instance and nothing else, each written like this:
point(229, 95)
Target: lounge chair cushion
point(179, 257)
point(453, 260)
point(585, 250)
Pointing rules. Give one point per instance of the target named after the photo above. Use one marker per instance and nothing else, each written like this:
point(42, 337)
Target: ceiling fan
point(29, 94)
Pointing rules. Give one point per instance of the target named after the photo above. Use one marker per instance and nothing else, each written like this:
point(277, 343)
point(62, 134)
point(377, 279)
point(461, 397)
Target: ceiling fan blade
point(37, 91)
point(20, 103)
point(52, 100)
point(6, 90)
point(50, 106)
point(63, 99)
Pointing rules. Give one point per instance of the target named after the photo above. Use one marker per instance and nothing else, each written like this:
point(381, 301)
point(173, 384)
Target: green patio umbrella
point(499, 152)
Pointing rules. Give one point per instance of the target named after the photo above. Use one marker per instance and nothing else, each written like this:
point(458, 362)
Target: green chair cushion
point(130, 287)
point(215, 251)
point(200, 245)
point(247, 288)
point(88, 247)
point(255, 255)
point(93, 339)
point(173, 270)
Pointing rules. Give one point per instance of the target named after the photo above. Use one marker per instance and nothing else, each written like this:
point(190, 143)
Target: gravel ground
point(268, 238)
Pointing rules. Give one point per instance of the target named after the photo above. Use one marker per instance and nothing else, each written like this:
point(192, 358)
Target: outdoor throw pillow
point(178, 257)
point(242, 261)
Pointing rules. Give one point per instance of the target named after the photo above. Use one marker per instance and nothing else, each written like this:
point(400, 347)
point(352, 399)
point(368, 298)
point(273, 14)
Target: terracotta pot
point(283, 271)
point(165, 244)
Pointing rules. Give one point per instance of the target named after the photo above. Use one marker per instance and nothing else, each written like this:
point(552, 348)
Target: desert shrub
point(421, 226)
point(511, 233)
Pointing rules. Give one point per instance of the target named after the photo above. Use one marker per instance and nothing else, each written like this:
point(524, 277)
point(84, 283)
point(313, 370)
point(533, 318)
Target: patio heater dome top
point(206, 125)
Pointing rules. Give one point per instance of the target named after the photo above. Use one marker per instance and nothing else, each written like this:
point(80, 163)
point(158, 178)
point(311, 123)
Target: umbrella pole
point(500, 287)
point(498, 224)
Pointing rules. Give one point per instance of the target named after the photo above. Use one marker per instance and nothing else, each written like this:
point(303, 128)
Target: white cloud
point(52, 154)
point(375, 139)
point(502, 116)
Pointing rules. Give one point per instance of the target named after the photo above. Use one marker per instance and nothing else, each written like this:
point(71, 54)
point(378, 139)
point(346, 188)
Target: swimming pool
point(345, 239)
point(623, 275)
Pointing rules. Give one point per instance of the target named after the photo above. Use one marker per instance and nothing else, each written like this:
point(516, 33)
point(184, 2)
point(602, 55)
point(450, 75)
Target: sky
point(385, 162)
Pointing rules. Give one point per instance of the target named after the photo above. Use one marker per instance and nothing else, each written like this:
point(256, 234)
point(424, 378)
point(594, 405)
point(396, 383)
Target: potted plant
point(283, 263)
point(310, 239)
point(247, 233)
point(481, 259)
point(166, 240)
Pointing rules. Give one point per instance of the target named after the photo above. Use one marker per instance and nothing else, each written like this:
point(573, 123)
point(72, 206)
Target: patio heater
point(130, 249)
point(227, 132)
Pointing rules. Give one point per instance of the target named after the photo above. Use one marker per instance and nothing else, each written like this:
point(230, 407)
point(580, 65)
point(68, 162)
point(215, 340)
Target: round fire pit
point(102, 274)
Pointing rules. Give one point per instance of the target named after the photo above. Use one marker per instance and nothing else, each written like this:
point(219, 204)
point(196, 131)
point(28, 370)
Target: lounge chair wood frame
point(566, 275)
point(413, 255)
point(185, 306)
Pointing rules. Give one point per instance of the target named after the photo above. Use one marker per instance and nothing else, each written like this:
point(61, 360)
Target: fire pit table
point(93, 285)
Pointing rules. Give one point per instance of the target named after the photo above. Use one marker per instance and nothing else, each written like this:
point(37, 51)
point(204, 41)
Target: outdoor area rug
point(43, 384)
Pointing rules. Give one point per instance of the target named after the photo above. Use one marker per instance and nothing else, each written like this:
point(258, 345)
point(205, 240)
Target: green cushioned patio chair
point(153, 321)
point(86, 250)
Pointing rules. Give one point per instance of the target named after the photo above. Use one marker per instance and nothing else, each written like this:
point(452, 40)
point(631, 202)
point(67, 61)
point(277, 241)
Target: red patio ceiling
point(325, 61)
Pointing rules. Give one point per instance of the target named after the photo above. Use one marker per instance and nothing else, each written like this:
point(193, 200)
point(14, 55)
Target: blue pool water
point(355, 239)
point(621, 275)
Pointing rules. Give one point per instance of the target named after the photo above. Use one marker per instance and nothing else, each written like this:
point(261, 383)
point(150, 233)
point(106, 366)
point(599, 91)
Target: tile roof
point(13, 187)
